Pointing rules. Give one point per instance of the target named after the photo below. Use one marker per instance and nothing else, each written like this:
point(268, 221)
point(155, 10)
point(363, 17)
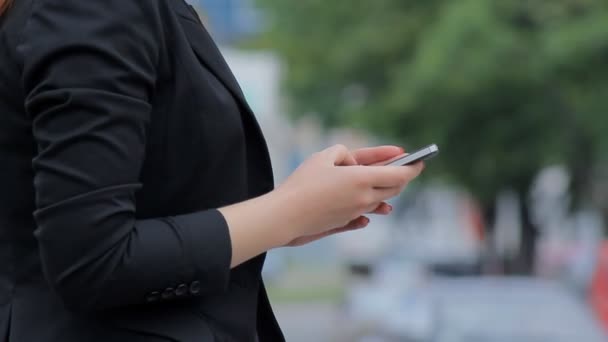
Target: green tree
point(504, 87)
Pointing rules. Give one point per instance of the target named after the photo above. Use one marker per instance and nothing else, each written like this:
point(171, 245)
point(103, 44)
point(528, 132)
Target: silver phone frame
point(421, 154)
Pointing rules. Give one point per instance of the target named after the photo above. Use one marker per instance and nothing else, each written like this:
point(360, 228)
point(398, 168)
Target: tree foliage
point(504, 87)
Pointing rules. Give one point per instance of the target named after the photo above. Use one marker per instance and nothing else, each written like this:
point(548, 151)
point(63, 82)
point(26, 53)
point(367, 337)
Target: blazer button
point(181, 290)
point(195, 287)
point(153, 297)
point(168, 293)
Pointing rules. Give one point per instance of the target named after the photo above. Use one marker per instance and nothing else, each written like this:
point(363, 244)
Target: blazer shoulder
point(134, 12)
point(78, 23)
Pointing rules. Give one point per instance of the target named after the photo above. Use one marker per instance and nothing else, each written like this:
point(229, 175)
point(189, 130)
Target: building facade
point(229, 20)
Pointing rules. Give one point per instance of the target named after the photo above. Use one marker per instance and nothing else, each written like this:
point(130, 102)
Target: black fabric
point(122, 130)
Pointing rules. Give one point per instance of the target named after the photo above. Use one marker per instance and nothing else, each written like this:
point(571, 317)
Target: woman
point(125, 134)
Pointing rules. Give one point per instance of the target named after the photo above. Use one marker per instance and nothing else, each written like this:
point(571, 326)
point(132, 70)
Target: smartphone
point(411, 158)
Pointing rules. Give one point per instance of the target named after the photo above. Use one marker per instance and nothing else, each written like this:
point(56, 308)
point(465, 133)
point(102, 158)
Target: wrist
point(284, 216)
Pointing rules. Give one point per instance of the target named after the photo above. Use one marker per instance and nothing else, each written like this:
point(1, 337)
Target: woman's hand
point(329, 193)
point(333, 189)
point(364, 156)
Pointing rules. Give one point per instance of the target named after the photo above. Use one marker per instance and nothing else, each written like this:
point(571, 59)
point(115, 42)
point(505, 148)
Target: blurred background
point(504, 236)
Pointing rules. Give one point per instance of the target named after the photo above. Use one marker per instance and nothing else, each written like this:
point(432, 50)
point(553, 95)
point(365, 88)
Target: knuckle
point(340, 147)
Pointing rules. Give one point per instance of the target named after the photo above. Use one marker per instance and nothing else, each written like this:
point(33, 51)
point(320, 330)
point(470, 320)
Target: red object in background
point(599, 286)
point(475, 216)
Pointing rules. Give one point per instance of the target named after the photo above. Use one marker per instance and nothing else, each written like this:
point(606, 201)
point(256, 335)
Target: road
point(307, 322)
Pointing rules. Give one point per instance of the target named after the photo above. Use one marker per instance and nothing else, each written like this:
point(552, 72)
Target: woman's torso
point(203, 150)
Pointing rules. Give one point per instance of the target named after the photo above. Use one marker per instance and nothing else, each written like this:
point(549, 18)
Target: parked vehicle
point(442, 228)
point(483, 309)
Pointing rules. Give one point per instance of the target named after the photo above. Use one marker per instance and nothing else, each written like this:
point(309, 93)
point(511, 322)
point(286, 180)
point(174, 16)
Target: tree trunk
point(524, 263)
point(491, 263)
point(489, 215)
point(580, 165)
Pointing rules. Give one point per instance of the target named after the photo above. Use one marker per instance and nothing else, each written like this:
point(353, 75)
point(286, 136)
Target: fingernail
point(390, 208)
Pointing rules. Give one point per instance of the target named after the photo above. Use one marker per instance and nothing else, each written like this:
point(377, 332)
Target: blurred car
point(442, 228)
point(362, 250)
point(511, 309)
point(483, 309)
point(390, 294)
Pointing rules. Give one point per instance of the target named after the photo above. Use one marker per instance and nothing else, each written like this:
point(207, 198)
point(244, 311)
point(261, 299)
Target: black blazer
point(121, 130)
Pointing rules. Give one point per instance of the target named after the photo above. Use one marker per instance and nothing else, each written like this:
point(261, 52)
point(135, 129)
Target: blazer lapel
point(210, 56)
point(207, 51)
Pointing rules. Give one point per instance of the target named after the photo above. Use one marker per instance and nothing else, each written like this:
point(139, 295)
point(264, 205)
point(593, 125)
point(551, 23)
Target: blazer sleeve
point(89, 69)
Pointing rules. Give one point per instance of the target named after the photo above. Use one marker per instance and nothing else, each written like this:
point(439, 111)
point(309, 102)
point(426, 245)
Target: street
point(305, 322)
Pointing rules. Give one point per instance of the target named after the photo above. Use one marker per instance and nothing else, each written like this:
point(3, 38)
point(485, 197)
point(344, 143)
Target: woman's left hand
point(363, 156)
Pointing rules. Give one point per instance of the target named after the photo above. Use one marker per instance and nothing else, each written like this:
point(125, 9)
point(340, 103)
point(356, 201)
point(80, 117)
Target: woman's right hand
point(330, 192)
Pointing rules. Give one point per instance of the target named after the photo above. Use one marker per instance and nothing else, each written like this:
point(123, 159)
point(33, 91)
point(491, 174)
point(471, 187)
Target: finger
point(388, 161)
point(382, 209)
point(358, 223)
point(372, 155)
point(389, 176)
point(382, 194)
point(340, 155)
point(375, 208)
point(344, 229)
